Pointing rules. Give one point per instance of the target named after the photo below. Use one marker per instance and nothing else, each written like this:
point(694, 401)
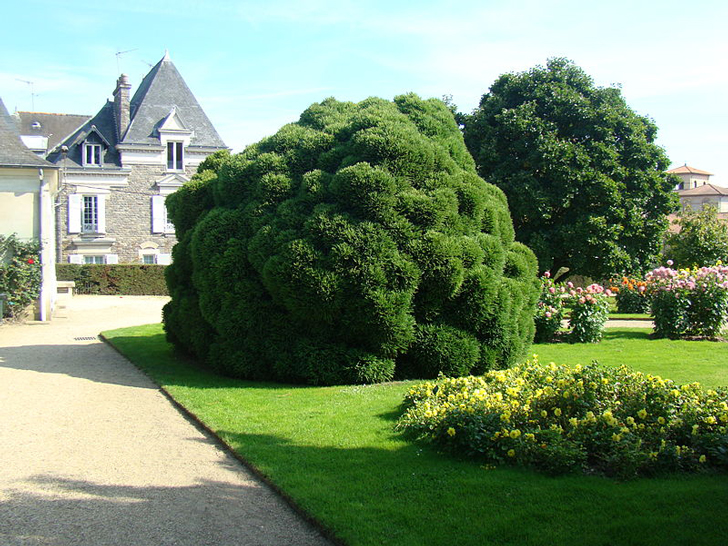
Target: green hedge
point(128, 280)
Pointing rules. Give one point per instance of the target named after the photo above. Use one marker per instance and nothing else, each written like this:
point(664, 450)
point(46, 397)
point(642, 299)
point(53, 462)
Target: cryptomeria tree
point(355, 245)
point(584, 179)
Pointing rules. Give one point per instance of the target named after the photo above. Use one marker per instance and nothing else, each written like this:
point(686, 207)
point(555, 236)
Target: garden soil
point(92, 453)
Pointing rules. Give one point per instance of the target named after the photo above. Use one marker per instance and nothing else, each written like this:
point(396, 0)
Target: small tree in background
point(701, 241)
point(584, 178)
point(352, 246)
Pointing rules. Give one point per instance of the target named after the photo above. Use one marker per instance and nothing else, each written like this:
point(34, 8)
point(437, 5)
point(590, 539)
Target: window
point(90, 214)
point(91, 154)
point(149, 259)
point(93, 259)
point(175, 156)
point(160, 218)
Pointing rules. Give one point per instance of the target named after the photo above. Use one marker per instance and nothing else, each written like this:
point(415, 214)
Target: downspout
point(42, 234)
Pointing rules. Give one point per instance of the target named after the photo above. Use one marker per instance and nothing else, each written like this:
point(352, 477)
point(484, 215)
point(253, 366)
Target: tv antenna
point(32, 94)
point(119, 54)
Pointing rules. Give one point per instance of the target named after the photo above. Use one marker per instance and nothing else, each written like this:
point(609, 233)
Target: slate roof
point(705, 189)
point(162, 89)
point(56, 127)
point(103, 123)
point(13, 152)
point(684, 169)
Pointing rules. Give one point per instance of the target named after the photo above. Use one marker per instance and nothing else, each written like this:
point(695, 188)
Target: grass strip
point(334, 452)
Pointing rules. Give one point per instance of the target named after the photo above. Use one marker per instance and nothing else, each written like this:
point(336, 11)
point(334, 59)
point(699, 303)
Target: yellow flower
point(428, 414)
point(675, 393)
point(710, 420)
point(590, 415)
point(616, 437)
point(642, 413)
point(506, 416)
point(557, 412)
point(661, 420)
point(630, 421)
point(511, 453)
point(703, 458)
point(574, 422)
point(544, 413)
point(531, 437)
point(515, 433)
point(451, 431)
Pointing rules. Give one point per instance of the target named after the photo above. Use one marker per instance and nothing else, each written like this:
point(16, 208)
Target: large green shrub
point(122, 279)
point(352, 245)
point(20, 275)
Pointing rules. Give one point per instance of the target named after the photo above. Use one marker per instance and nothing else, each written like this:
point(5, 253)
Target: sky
point(255, 66)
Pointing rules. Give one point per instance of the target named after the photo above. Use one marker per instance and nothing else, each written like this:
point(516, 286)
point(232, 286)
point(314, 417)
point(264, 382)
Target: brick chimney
point(121, 105)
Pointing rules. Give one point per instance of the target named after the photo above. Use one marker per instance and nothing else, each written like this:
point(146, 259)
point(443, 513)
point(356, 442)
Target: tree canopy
point(702, 239)
point(353, 246)
point(584, 178)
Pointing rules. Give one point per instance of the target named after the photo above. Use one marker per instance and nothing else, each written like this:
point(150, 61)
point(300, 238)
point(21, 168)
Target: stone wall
point(128, 217)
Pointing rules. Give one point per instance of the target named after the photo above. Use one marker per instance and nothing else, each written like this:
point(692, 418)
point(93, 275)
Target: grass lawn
point(334, 452)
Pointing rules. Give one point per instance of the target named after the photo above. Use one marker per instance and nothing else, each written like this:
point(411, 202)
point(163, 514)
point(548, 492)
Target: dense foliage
point(20, 274)
point(702, 239)
point(632, 295)
point(584, 179)
point(689, 302)
point(560, 419)
point(122, 279)
point(352, 246)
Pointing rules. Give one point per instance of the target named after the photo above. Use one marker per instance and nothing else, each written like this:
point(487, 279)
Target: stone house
point(697, 192)
point(28, 188)
point(118, 168)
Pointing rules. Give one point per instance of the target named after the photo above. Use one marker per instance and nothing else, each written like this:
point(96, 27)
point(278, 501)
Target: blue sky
point(255, 66)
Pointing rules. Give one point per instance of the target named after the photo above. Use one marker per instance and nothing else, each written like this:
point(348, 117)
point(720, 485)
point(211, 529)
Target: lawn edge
point(220, 443)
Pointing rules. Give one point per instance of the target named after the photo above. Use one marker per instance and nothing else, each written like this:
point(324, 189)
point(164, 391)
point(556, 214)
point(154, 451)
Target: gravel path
point(91, 453)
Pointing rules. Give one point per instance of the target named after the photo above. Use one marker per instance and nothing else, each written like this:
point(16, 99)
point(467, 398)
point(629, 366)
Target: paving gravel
point(92, 453)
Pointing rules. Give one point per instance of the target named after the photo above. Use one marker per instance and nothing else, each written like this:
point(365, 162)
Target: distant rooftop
point(54, 127)
point(705, 189)
point(685, 169)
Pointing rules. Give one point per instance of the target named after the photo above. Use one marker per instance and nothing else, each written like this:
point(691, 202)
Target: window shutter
point(158, 214)
point(75, 259)
point(101, 204)
point(112, 258)
point(164, 259)
point(74, 213)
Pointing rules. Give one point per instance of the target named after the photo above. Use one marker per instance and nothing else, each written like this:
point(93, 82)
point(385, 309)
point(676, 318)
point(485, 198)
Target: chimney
point(121, 105)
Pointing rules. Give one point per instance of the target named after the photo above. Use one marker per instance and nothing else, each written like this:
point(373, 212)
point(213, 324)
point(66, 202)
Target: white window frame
point(91, 154)
point(160, 217)
point(96, 259)
point(175, 156)
point(80, 220)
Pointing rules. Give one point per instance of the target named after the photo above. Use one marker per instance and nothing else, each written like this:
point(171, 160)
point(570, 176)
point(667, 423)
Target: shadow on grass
point(414, 495)
point(626, 333)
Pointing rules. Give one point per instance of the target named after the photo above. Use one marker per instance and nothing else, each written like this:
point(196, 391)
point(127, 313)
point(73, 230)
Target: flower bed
point(559, 419)
point(689, 302)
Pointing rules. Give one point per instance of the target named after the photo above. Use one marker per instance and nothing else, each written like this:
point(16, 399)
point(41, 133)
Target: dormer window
point(91, 154)
point(175, 156)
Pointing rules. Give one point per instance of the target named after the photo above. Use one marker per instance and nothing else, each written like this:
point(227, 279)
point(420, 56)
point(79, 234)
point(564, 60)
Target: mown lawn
point(333, 450)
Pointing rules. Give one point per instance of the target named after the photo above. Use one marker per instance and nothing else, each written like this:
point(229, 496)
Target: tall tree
point(584, 178)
